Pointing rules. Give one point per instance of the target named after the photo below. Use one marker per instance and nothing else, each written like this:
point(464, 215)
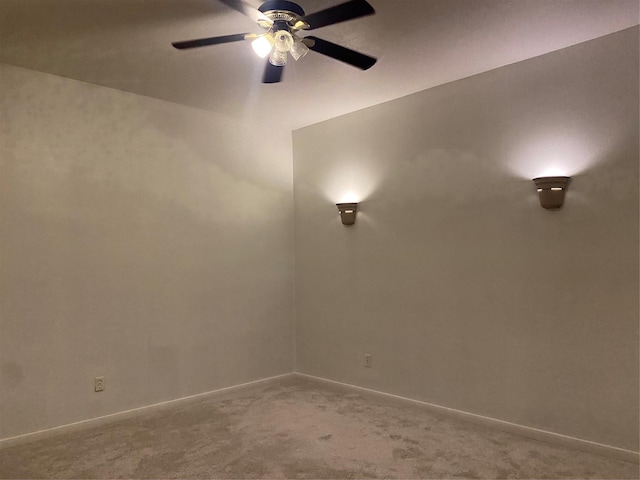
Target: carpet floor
point(297, 427)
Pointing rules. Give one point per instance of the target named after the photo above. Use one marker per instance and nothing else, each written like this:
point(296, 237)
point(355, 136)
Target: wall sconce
point(347, 212)
point(551, 190)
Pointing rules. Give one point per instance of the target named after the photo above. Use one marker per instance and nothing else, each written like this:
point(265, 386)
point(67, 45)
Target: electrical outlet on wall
point(99, 384)
point(367, 360)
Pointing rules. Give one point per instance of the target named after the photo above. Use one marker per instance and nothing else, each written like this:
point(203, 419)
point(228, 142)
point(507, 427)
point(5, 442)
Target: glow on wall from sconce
point(553, 155)
point(349, 183)
point(349, 197)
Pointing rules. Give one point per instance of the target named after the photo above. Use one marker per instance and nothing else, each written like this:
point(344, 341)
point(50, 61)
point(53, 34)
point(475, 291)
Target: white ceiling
point(126, 44)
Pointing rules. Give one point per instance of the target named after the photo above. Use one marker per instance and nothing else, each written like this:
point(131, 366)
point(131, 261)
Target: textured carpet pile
point(298, 427)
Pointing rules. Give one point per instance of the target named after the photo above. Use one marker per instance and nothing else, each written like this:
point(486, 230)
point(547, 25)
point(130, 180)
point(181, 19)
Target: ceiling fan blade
point(346, 55)
point(339, 13)
point(272, 74)
point(203, 42)
point(246, 9)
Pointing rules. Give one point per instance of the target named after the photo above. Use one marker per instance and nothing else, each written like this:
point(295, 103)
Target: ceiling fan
point(282, 19)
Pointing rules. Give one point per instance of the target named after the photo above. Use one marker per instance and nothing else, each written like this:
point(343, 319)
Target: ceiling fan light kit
point(262, 45)
point(298, 49)
point(282, 20)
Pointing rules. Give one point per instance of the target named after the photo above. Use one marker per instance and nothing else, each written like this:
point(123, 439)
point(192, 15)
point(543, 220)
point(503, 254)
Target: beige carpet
point(298, 428)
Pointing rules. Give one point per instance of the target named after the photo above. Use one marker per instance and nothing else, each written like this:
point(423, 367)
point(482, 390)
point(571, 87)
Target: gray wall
point(466, 292)
point(140, 240)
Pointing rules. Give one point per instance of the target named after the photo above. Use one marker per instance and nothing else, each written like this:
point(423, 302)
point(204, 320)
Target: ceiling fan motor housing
point(282, 5)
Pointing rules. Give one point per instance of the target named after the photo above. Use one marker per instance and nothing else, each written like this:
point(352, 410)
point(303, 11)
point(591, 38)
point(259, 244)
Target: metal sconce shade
point(347, 212)
point(551, 190)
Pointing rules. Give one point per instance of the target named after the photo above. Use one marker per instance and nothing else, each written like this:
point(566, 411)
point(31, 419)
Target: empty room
point(319, 239)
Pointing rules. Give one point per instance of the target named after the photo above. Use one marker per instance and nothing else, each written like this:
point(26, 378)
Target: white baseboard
point(521, 430)
point(529, 432)
point(104, 419)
